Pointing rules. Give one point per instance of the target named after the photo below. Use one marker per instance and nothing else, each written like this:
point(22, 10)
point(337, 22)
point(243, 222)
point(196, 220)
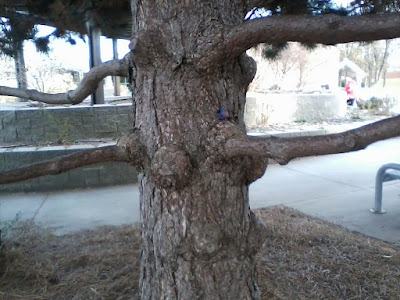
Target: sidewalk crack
point(37, 211)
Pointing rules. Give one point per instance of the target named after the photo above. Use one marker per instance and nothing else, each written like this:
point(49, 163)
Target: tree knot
point(133, 147)
point(171, 167)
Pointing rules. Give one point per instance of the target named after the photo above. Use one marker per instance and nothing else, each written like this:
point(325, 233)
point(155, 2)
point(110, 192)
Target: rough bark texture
point(20, 68)
point(199, 235)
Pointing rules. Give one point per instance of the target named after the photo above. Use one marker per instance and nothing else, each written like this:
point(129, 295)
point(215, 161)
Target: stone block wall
point(64, 124)
point(274, 108)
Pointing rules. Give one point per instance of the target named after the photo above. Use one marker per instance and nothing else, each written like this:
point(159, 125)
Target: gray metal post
point(380, 178)
point(95, 58)
point(117, 82)
point(378, 191)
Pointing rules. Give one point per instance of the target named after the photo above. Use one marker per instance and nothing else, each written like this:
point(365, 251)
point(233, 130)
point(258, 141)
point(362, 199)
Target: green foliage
point(42, 43)
point(293, 7)
point(273, 51)
point(13, 33)
point(300, 7)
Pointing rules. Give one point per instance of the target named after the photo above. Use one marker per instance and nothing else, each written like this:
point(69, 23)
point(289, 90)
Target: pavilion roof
point(112, 17)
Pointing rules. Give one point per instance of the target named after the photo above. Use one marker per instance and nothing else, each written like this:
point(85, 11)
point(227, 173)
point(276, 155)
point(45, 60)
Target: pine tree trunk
point(199, 237)
point(20, 68)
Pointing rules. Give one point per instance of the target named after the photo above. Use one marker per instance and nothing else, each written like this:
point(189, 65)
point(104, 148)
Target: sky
point(343, 3)
point(75, 57)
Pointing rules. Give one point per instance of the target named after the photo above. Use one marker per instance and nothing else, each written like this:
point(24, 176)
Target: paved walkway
point(338, 188)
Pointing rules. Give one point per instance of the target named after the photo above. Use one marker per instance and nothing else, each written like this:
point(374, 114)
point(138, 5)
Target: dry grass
point(98, 264)
point(304, 258)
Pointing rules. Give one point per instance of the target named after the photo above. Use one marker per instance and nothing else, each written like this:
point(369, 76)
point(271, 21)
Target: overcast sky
point(75, 57)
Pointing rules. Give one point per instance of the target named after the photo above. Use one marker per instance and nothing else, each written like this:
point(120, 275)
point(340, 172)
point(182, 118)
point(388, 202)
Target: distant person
point(351, 94)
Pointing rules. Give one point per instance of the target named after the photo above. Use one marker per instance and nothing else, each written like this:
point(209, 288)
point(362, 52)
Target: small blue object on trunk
point(223, 114)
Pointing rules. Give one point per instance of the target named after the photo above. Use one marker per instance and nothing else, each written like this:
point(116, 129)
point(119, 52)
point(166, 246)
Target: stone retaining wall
point(68, 124)
point(64, 124)
point(274, 108)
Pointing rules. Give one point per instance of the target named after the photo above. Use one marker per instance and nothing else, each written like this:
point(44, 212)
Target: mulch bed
point(303, 258)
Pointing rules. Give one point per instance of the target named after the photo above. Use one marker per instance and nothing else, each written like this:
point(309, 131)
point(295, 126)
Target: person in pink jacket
point(350, 90)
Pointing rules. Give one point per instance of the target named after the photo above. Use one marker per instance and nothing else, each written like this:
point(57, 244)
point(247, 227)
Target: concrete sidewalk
point(338, 188)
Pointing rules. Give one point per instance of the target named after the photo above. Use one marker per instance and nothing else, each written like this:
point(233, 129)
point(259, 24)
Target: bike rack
point(385, 173)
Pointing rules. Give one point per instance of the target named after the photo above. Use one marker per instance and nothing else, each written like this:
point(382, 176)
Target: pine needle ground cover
point(303, 258)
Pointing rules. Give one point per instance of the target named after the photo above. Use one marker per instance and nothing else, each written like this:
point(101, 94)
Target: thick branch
point(87, 86)
point(285, 149)
point(129, 149)
point(66, 163)
point(324, 29)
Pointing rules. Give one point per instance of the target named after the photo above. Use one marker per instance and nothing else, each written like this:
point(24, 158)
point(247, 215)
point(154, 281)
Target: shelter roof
point(353, 66)
point(112, 17)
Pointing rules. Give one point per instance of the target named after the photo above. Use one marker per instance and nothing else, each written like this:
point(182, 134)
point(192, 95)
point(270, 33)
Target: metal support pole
point(95, 58)
point(116, 79)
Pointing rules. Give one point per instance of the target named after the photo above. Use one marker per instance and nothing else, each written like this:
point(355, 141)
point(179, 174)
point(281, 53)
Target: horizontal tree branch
point(285, 149)
point(326, 29)
point(66, 163)
point(128, 149)
point(87, 86)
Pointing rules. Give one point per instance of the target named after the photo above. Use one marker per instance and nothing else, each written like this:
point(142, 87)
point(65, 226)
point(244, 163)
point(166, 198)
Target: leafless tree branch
point(285, 149)
point(87, 86)
point(324, 29)
point(128, 149)
point(66, 163)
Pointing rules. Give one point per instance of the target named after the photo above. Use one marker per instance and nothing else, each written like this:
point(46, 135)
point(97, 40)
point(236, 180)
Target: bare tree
point(371, 57)
point(187, 61)
point(48, 76)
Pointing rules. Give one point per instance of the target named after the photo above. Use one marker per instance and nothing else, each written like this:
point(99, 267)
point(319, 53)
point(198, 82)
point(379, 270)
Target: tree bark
point(20, 69)
point(199, 236)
